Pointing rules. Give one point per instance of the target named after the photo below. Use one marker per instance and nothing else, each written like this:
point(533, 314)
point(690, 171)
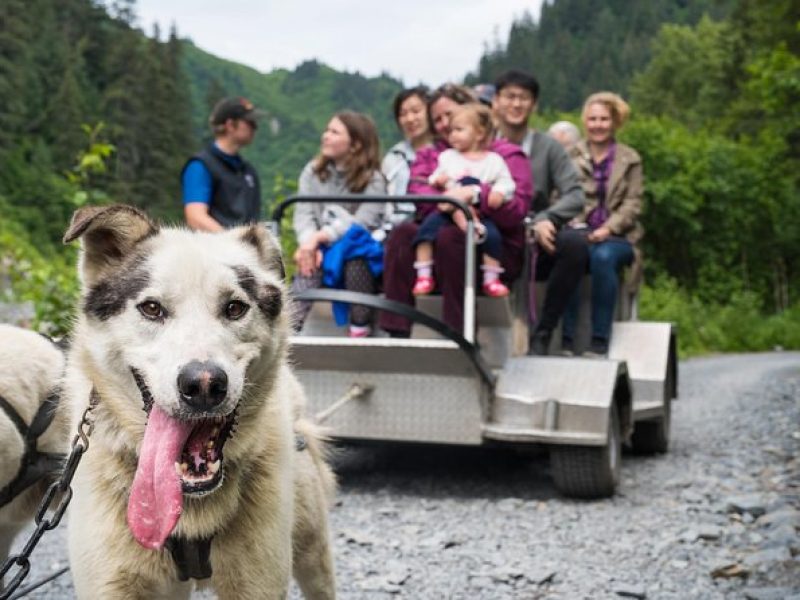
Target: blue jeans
point(606, 259)
point(434, 222)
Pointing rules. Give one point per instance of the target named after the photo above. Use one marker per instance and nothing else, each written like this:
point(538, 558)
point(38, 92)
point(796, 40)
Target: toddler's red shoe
point(358, 332)
point(495, 289)
point(423, 286)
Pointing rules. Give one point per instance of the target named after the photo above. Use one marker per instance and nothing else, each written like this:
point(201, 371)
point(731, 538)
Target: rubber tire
point(589, 471)
point(652, 436)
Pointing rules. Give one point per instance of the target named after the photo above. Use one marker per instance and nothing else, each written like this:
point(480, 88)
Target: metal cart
point(480, 387)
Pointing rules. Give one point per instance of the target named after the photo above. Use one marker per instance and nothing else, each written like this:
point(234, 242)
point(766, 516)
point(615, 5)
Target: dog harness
point(192, 557)
point(34, 465)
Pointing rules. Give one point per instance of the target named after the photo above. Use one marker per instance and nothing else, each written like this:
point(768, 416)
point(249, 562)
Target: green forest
point(95, 110)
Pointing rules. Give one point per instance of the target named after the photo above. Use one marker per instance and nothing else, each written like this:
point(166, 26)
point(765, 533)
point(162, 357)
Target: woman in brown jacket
point(611, 176)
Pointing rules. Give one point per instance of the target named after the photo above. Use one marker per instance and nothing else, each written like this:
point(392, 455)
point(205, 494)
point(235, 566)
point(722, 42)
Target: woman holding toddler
point(448, 245)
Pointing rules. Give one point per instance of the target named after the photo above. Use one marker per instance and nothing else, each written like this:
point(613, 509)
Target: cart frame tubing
point(469, 274)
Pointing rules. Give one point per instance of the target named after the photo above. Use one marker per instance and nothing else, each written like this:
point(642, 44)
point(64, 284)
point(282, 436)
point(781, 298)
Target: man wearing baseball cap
point(220, 188)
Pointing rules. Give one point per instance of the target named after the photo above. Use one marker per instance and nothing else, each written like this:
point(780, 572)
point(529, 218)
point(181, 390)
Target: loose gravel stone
point(768, 593)
point(631, 591)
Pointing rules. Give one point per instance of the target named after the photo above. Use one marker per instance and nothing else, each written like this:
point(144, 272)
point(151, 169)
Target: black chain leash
point(80, 444)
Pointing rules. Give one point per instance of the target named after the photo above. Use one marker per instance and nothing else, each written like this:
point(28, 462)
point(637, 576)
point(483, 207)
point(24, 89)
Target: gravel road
point(717, 517)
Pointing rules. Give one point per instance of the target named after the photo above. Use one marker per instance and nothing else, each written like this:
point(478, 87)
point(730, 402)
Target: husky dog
point(200, 466)
point(33, 426)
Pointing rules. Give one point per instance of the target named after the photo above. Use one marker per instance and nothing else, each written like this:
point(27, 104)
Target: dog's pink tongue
point(156, 498)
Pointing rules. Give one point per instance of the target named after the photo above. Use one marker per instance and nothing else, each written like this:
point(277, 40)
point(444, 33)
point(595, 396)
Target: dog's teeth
point(179, 468)
point(214, 467)
point(210, 444)
point(184, 467)
point(215, 432)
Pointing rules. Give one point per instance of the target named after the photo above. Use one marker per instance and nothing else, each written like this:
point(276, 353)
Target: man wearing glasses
point(564, 253)
point(220, 188)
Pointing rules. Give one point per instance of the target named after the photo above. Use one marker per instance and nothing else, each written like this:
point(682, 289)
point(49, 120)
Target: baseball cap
point(234, 108)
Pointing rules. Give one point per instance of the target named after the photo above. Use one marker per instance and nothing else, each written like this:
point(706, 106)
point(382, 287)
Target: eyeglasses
point(510, 97)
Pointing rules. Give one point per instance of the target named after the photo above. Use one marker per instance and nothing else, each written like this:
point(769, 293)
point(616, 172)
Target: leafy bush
point(739, 325)
point(282, 189)
point(50, 283)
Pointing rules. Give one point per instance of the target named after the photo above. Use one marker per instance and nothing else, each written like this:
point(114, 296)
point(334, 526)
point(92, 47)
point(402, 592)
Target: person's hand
point(445, 207)
point(545, 234)
point(462, 193)
point(460, 220)
point(308, 257)
point(440, 181)
point(600, 234)
point(495, 199)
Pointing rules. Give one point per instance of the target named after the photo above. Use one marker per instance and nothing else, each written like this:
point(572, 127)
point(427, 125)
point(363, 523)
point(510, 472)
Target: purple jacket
point(510, 215)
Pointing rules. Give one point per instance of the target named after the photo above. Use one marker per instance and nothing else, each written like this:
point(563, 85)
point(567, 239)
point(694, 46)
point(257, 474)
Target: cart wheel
point(652, 436)
point(588, 471)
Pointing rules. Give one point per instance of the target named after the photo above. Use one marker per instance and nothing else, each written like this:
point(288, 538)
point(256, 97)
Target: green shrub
point(50, 283)
point(739, 325)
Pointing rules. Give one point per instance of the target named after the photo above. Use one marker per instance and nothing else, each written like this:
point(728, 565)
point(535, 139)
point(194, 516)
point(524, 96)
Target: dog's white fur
point(31, 369)
point(269, 516)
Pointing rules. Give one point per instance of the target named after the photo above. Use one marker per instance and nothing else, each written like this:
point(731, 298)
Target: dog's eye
point(152, 310)
point(235, 309)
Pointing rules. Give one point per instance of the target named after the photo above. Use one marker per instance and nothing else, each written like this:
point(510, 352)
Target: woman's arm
point(304, 222)
point(421, 169)
point(511, 214)
point(626, 215)
point(371, 215)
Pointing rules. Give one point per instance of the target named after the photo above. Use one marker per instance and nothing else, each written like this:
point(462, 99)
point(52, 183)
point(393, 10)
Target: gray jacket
point(624, 193)
point(552, 170)
point(335, 218)
point(396, 167)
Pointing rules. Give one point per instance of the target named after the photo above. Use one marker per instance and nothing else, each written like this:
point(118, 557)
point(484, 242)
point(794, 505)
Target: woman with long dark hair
point(335, 244)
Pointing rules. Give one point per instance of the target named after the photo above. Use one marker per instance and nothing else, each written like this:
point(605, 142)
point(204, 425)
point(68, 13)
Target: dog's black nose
point(202, 385)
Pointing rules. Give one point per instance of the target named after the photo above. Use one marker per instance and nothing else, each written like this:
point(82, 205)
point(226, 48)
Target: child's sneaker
point(358, 331)
point(495, 289)
point(423, 286)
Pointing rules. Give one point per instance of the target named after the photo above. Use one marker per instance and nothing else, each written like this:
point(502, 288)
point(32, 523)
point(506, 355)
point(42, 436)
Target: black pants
point(563, 271)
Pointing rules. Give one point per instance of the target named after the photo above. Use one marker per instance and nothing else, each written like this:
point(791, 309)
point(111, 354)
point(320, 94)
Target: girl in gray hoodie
point(348, 163)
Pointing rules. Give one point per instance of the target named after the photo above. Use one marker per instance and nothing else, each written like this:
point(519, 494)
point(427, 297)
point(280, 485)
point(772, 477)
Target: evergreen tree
point(68, 110)
point(16, 70)
point(579, 47)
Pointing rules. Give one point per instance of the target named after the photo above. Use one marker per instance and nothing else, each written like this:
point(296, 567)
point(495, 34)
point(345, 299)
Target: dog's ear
point(108, 234)
point(267, 246)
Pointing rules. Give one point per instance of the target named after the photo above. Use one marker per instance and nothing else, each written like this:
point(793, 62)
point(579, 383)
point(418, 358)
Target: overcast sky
point(432, 41)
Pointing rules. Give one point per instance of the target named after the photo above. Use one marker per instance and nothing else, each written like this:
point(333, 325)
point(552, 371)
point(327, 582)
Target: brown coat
point(623, 196)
